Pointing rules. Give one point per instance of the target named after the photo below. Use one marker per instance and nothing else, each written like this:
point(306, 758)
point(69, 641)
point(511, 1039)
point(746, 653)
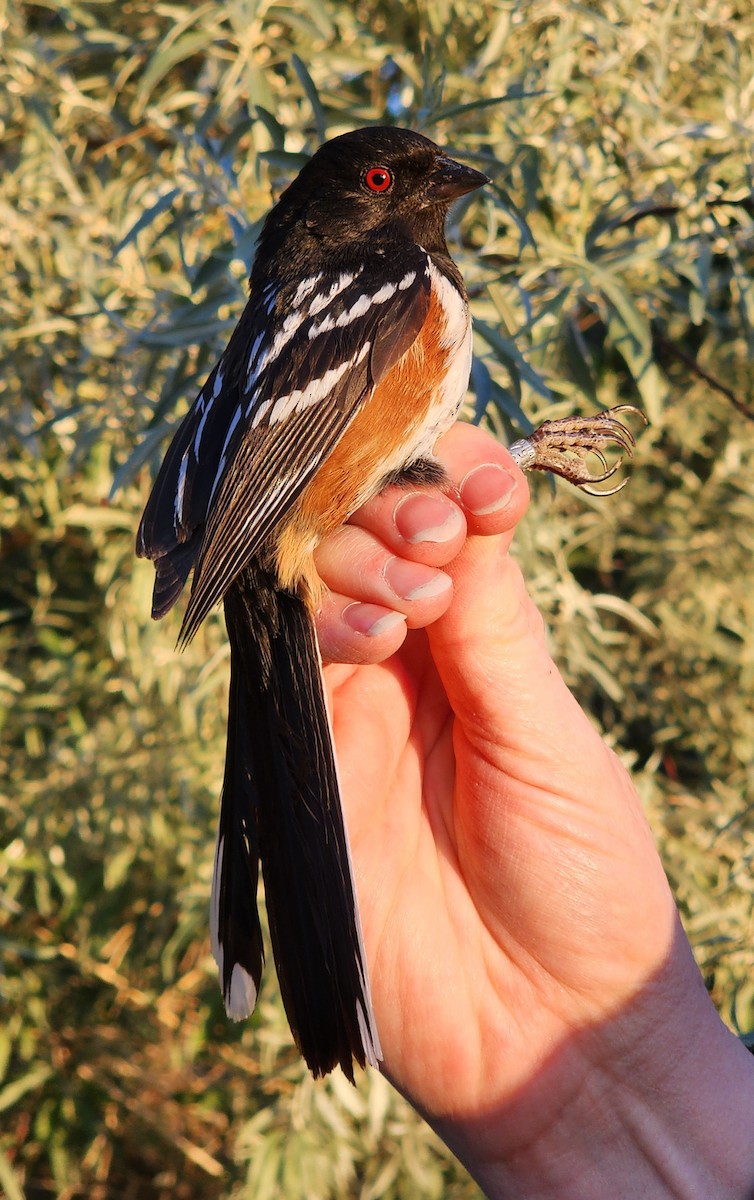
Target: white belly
point(457, 341)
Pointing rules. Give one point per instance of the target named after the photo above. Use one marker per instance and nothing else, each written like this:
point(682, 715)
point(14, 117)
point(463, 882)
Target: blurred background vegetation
point(611, 261)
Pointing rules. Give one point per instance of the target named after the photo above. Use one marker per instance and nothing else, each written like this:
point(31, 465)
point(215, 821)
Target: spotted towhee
point(350, 360)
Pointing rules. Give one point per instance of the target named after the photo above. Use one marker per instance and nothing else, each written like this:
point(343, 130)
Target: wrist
point(657, 1102)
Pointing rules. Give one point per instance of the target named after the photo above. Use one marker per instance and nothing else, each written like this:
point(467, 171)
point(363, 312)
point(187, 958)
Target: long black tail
point(281, 803)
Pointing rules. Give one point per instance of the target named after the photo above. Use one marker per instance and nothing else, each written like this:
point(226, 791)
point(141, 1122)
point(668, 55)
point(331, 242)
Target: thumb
point(508, 696)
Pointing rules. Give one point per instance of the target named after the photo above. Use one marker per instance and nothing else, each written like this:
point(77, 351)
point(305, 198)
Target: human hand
point(523, 943)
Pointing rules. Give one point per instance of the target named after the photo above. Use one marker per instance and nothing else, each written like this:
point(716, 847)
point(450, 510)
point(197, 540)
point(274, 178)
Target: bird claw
point(564, 447)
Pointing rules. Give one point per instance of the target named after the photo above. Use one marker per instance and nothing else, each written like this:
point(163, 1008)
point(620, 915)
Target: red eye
point(378, 179)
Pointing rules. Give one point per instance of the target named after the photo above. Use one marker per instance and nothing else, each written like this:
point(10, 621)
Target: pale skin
point(536, 997)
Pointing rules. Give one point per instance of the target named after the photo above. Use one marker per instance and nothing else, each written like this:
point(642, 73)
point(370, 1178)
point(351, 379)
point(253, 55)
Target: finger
point(350, 631)
point(486, 494)
point(426, 526)
point(499, 677)
point(355, 563)
point(491, 489)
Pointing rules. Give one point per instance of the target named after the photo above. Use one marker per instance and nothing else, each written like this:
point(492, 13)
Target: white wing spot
point(361, 306)
point(286, 332)
point(305, 288)
point(386, 291)
point(180, 489)
point(325, 325)
point(297, 401)
point(323, 299)
point(221, 465)
point(254, 352)
point(264, 407)
point(200, 427)
point(292, 321)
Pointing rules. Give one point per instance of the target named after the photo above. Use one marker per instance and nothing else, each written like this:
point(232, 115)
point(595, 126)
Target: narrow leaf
point(509, 355)
point(146, 219)
point(312, 95)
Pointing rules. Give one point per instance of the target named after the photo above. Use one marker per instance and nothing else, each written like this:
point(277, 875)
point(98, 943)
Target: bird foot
point(564, 446)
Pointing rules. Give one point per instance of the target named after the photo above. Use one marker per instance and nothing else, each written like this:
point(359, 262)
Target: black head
point(363, 184)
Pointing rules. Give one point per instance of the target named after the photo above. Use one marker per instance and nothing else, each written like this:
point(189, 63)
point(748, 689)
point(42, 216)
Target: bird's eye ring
point(378, 179)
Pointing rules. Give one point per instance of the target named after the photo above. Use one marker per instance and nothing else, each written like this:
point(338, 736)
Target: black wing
point(295, 372)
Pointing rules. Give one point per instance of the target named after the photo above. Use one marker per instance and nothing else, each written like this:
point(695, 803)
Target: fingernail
point(412, 581)
point(371, 619)
point(487, 489)
point(421, 518)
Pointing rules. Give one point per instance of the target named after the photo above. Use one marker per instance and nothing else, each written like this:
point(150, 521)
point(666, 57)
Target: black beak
point(451, 179)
